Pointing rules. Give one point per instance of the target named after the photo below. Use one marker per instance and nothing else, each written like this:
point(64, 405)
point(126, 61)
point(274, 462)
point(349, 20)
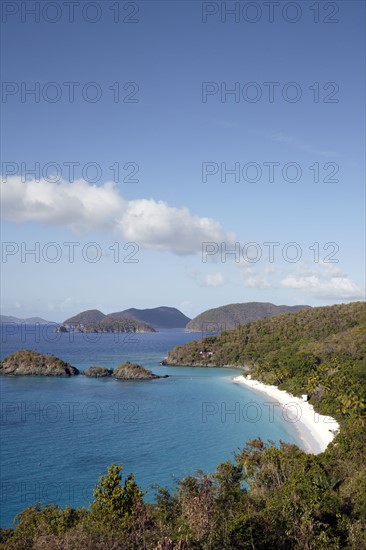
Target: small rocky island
point(132, 371)
point(97, 372)
point(125, 371)
point(94, 320)
point(31, 363)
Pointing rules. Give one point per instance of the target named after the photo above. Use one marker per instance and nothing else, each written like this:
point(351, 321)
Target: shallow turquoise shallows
point(59, 434)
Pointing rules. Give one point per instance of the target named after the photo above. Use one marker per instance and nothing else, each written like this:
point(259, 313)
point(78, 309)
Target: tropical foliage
point(267, 497)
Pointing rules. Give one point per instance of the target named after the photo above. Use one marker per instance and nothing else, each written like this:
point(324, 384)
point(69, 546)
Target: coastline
point(316, 431)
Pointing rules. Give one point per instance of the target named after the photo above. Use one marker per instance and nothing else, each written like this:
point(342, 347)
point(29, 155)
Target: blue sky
point(167, 137)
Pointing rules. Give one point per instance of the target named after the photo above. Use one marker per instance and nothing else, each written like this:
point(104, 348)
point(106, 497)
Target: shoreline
point(316, 431)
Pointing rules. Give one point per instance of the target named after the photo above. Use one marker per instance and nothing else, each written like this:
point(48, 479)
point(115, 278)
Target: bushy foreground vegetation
point(268, 497)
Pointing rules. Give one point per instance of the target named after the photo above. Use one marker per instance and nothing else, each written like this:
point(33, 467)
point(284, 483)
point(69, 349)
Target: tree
point(115, 502)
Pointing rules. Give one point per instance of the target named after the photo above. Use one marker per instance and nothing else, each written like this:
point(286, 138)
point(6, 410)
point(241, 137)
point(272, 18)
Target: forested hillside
point(230, 316)
point(319, 351)
point(267, 497)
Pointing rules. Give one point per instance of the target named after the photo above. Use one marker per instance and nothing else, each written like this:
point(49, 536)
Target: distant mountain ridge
point(29, 320)
point(85, 317)
point(94, 320)
point(230, 316)
point(158, 317)
point(226, 317)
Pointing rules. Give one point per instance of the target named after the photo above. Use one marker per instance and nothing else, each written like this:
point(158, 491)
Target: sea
point(58, 435)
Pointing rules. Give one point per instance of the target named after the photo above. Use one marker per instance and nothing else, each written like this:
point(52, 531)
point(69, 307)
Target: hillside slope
point(28, 320)
point(230, 316)
point(88, 316)
point(142, 319)
point(158, 317)
point(319, 351)
point(94, 320)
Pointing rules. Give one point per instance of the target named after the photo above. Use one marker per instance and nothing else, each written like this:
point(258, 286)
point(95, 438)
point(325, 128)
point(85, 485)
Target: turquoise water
point(59, 435)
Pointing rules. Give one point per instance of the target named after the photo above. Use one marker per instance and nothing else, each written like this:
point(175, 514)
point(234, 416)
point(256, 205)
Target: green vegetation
point(109, 324)
point(30, 363)
point(132, 371)
point(267, 497)
point(89, 316)
point(94, 320)
point(232, 315)
point(318, 351)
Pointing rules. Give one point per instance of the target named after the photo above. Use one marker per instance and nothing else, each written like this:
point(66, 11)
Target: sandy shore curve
point(316, 431)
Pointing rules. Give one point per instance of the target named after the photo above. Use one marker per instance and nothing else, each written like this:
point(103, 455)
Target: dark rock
point(97, 372)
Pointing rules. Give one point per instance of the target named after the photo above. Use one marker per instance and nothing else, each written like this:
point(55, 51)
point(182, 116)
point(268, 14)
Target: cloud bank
point(327, 282)
point(323, 281)
point(214, 280)
point(83, 207)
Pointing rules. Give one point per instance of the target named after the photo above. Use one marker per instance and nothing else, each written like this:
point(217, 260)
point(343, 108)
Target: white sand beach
point(316, 431)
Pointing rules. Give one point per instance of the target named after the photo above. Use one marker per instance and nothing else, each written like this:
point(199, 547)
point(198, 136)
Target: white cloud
point(83, 207)
point(158, 225)
point(209, 280)
point(270, 270)
point(327, 282)
point(214, 280)
point(252, 278)
point(78, 205)
point(255, 281)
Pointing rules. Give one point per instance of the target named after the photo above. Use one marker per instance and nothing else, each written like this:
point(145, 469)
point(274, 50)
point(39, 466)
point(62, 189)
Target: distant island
point(231, 316)
point(28, 321)
point(157, 317)
point(32, 363)
point(129, 320)
point(226, 317)
point(94, 320)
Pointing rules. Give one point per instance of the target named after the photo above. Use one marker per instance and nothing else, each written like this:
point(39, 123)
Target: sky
point(187, 154)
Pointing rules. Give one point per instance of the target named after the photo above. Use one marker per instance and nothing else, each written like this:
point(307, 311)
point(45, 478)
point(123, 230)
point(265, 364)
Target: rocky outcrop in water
point(31, 363)
point(132, 371)
point(97, 372)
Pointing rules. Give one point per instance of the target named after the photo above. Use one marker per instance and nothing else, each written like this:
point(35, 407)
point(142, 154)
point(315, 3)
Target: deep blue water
point(59, 435)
